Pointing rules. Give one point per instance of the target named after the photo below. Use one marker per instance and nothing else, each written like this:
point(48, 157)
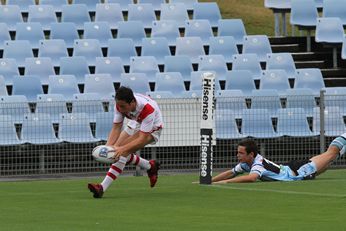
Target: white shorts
point(133, 127)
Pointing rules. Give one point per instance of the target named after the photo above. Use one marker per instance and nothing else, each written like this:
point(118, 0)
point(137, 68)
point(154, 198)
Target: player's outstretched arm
point(223, 176)
point(114, 134)
point(252, 177)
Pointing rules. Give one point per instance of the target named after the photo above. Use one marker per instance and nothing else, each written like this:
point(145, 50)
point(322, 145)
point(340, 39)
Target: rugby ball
point(104, 154)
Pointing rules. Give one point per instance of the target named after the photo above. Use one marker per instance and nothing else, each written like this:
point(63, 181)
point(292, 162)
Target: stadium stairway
point(319, 57)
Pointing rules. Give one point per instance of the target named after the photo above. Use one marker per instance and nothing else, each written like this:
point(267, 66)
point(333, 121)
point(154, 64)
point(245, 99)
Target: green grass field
point(175, 204)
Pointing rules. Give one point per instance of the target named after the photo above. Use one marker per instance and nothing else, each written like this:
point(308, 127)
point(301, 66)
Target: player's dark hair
point(250, 146)
point(125, 94)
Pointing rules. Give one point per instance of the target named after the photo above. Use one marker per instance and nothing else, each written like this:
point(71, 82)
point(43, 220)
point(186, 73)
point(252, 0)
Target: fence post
point(322, 136)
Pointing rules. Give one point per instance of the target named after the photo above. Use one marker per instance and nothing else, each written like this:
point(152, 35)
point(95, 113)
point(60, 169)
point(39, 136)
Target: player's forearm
point(223, 176)
point(113, 135)
point(239, 179)
point(132, 146)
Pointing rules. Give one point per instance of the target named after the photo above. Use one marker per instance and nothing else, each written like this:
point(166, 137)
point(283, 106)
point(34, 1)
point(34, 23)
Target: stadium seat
point(89, 103)
point(91, 4)
point(216, 63)
point(335, 97)
point(343, 49)
point(335, 8)
point(141, 12)
point(240, 80)
point(188, 3)
point(301, 98)
point(66, 31)
point(179, 63)
point(191, 94)
point(123, 3)
point(275, 79)
point(207, 10)
point(75, 13)
point(282, 61)
point(199, 28)
point(104, 123)
point(44, 14)
point(309, 78)
point(4, 34)
point(98, 30)
point(18, 50)
point(38, 129)
point(15, 106)
point(8, 69)
point(293, 122)
point(331, 32)
point(157, 47)
point(232, 27)
point(57, 4)
point(257, 123)
point(155, 3)
point(33, 32)
point(248, 62)
point(144, 64)
point(161, 95)
point(165, 28)
point(110, 65)
point(123, 48)
point(110, 13)
point(75, 128)
point(196, 80)
point(223, 45)
point(63, 84)
point(41, 67)
point(3, 90)
point(266, 99)
point(88, 48)
point(23, 4)
point(190, 46)
point(170, 81)
point(138, 82)
point(52, 105)
point(99, 83)
point(76, 65)
point(54, 49)
point(133, 30)
point(30, 86)
point(10, 14)
point(233, 100)
point(176, 12)
point(226, 126)
point(279, 7)
point(257, 44)
point(333, 121)
point(8, 134)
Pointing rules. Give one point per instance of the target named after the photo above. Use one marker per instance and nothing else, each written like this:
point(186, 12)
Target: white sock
point(137, 160)
point(113, 173)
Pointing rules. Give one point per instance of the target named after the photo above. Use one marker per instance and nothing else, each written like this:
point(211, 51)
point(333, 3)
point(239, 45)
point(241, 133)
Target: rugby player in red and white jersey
point(144, 127)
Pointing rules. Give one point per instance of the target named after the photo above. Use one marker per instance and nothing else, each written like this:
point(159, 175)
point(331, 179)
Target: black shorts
point(296, 164)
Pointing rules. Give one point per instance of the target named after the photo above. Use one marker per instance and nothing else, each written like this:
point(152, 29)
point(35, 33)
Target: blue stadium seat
point(161, 95)
point(99, 83)
point(75, 128)
point(76, 65)
point(23, 4)
point(18, 50)
point(188, 3)
point(333, 121)
point(76, 13)
point(335, 97)
point(52, 105)
point(33, 32)
point(10, 14)
point(88, 48)
point(223, 45)
point(282, 61)
point(199, 28)
point(257, 44)
point(241, 80)
point(170, 81)
point(176, 12)
point(54, 49)
point(279, 7)
point(293, 122)
point(123, 3)
point(301, 98)
point(38, 129)
point(144, 64)
point(3, 90)
point(123, 48)
point(15, 106)
point(216, 63)
point(190, 46)
point(226, 126)
point(66, 31)
point(191, 94)
point(89, 103)
point(4, 34)
point(40, 67)
point(231, 100)
point(343, 49)
point(63, 84)
point(309, 78)
point(109, 12)
point(266, 99)
point(44, 14)
point(274, 79)
point(133, 30)
point(8, 134)
point(157, 47)
point(141, 12)
point(30, 86)
point(110, 65)
point(232, 27)
point(91, 4)
point(335, 8)
point(165, 28)
point(8, 69)
point(257, 123)
point(138, 82)
point(155, 3)
point(207, 10)
point(196, 80)
point(248, 62)
point(104, 123)
point(98, 30)
point(57, 4)
point(179, 63)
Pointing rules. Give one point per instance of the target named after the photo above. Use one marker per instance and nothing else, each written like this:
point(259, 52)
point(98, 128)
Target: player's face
point(243, 156)
point(125, 107)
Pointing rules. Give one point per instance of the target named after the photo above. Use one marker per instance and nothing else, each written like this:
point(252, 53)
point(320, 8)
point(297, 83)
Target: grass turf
point(175, 204)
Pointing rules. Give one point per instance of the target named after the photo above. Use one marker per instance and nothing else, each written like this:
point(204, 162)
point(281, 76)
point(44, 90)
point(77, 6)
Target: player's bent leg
point(323, 160)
